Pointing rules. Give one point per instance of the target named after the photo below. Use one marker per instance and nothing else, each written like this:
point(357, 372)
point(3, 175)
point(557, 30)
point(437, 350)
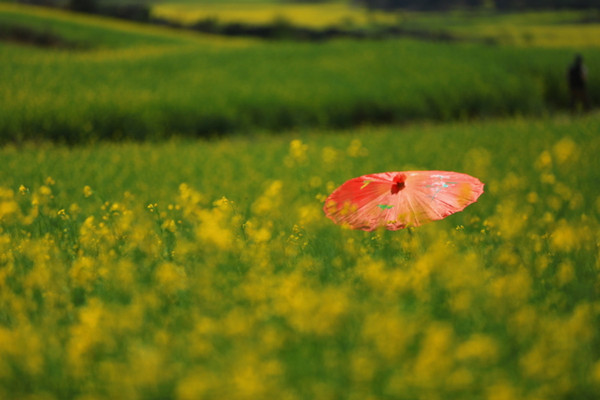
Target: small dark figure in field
point(577, 77)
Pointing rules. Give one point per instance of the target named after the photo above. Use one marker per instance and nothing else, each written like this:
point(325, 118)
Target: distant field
point(135, 81)
point(525, 29)
point(555, 29)
point(320, 15)
point(207, 270)
point(204, 2)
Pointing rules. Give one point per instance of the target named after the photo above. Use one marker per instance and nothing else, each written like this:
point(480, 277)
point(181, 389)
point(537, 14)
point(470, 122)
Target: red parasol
point(397, 200)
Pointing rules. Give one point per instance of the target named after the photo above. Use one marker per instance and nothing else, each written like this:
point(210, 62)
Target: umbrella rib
point(428, 205)
point(412, 210)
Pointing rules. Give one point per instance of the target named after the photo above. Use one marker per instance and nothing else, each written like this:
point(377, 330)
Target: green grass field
point(197, 269)
point(138, 261)
point(194, 85)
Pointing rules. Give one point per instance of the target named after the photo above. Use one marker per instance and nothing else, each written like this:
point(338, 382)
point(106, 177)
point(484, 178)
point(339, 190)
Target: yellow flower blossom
point(8, 208)
point(270, 200)
point(171, 277)
point(479, 347)
point(84, 272)
point(258, 233)
point(565, 273)
point(544, 160)
point(307, 309)
point(87, 191)
point(329, 155)
point(196, 384)
point(565, 150)
point(532, 197)
point(215, 224)
point(564, 237)
point(502, 391)
point(434, 362)
point(309, 214)
point(86, 335)
point(390, 333)
point(251, 377)
point(356, 149)
point(297, 153)
point(45, 190)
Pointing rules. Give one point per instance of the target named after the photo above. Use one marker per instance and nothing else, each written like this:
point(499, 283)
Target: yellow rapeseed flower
point(8, 208)
point(435, 361)
point(502, 391)
point(87, 191)
point(83, 272)
point(565, 237)
point(86, 335)
point(270, 200)
point(196, 384)
point(390, 333)
point(297, 153)
point(307, 309)
point(45, 190)
point(329, 155)
point(216, 224)
point(257, 232)
point(356, 149)
point(171, 277)
point(544, 160)
point(565, 150)
point(479, 347)
point(565, 273)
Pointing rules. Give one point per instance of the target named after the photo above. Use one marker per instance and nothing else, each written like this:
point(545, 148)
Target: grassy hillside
point(206, 270)
point(94, 32)
point(138, 82)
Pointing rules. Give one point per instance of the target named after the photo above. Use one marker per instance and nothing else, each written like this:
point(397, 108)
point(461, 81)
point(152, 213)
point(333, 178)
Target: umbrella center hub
point(399, 183)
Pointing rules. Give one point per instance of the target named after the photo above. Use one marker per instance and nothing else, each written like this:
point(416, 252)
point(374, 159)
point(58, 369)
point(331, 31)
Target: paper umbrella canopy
point(397, 200)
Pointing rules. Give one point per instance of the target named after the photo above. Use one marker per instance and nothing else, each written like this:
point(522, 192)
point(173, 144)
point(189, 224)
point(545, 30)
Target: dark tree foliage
point(88, 6)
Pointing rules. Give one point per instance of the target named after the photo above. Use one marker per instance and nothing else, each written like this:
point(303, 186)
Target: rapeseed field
point(207, 270)
point(323, 15)
point(552, 29)
point(193, 85)
point(185, 268)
